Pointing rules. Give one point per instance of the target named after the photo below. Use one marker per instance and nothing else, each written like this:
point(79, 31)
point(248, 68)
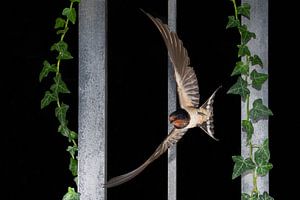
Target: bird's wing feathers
point(187, 84)
point(172, 138)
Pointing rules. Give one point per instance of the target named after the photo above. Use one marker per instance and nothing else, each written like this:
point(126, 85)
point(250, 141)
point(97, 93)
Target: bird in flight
point(189, 115)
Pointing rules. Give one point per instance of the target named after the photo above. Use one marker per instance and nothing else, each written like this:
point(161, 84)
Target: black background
point(35, 161)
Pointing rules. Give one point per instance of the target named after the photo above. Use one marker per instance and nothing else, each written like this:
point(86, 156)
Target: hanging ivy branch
point(258, 162)
point(59, 87)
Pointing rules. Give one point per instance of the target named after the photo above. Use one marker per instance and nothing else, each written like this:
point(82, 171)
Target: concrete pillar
point(172, 167)
point(258, 24)
point(92, 99)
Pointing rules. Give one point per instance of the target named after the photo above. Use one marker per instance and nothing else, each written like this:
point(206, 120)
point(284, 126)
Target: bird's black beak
point(172, 118)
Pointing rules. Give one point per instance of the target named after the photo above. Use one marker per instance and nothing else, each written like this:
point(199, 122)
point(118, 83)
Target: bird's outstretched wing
point(187, 84)
point(174, 136)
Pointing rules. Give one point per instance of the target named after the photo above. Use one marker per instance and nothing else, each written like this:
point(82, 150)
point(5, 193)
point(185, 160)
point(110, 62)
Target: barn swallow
point(189, 115)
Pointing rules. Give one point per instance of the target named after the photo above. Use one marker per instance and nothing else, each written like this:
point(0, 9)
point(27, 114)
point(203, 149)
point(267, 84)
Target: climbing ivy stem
point(235, 9)
point(62, 38)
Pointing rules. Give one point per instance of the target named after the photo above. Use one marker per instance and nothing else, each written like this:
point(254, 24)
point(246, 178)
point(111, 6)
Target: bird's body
point(190, 115)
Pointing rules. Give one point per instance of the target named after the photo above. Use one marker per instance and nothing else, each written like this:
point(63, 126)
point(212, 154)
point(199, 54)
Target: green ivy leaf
point(72, 136)
point(63, 129)
point(258, 79)
point(243, 50)
point(232, 22)
point(259, 110)
point(72, 150)
point(60, 46)
point(262, 155)
point(254, 196)
point(65, 55)
point(263, 169)
point(47, 68)
point(61, 112)
point(265, 196)
point(245, 196)
point(71, 195)
point(241, 165)
point(255, 60)
point(59, 23)
point(47, 99)
point(70, 13)
point(246, 35)
point(240, 68)
point(59, 85)
point(248, 128)
point(244, 10)
point(73, 1)
point(73, 166)
point(240, 87)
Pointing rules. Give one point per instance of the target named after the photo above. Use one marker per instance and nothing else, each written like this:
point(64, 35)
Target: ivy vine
point(59, 87)
point(258, 162)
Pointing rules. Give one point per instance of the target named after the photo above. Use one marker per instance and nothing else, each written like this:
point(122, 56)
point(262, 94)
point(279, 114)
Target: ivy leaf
point(47, 99)
point(46, 69)
point(59, 23)
point(63, 129)
point(246, 35)
point(61, 112)
point(240, 87)
point(72, 150)
point(262, 155)
point(64, 55)
point(259, 110)
point(244, 10)
point(73, 1)
point(73, 166)
point(258, 79)
point(243, 50)
point(263, 169)
point(59, 85)
point(254, 196)
point(265, 196)
point(240, 68)
point(71, 195)
point(72, 136)
point(232, 22)
point(245, 196)
point(255, 60)
point(241, 165)
point(70, 13)
point(248, 128)
point(60, 46)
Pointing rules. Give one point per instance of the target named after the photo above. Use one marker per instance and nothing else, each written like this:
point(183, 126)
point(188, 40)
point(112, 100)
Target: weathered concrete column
point(258, 24)
point(172, 165)
point(92, 99)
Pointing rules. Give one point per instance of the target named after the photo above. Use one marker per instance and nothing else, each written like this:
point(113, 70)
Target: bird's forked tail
point(207, 110)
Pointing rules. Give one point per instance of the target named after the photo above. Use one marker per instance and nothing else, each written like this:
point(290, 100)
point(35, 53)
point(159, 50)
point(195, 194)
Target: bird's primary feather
point(187, 84)
point(174, 136)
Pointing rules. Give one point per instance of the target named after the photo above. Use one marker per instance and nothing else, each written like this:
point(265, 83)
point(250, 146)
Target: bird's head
point(180, 118)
